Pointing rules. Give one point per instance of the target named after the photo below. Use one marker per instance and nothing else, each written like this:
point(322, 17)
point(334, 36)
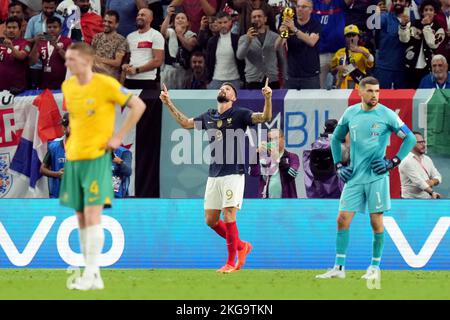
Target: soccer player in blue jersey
point(366, 177)
point(225, 185)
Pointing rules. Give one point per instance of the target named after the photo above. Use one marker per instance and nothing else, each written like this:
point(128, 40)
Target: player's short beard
point(222, 98)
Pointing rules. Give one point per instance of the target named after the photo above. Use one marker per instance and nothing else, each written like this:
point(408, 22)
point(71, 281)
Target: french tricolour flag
point(41, 123)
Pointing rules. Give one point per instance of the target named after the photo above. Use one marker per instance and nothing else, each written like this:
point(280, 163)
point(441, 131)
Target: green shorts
point(375, 194)
point(87, 183)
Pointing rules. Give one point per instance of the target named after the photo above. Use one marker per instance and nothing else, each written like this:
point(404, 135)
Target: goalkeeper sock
point(232, 242)
point(82, 235)
point(342, 240)
point(378, 244)
point(221, 230)
point(95, 238)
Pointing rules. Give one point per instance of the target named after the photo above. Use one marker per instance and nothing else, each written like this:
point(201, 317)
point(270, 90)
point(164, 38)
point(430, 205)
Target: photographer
point(262, 59)
point(121, 171)
point(350, 64)
point(276, 168)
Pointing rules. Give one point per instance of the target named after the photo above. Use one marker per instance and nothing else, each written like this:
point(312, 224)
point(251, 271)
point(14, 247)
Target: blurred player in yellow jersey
point(86, 185)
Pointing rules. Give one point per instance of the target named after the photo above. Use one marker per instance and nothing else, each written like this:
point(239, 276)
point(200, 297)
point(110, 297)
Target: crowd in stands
point(199, 44)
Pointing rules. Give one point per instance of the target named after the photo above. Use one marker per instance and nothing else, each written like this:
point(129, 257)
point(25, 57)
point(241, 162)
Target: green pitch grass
point(196, 284)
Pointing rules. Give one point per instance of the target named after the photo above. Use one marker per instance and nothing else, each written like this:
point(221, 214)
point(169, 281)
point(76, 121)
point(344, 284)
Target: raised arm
point(266, 115)
point(183, 121)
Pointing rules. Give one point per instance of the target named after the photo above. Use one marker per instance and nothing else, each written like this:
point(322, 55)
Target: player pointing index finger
point(226, 181)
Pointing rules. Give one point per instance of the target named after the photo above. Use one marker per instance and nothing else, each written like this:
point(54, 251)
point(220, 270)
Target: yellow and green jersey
point(91, 110)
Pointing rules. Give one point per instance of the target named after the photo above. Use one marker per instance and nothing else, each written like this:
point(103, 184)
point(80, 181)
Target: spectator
point(262, 59)
point(321, 180)
point(53, 163)
point(246, 8)
point(303, 49)
point(358, 13)
point(121, 171)
point(37, 25)
point(418, 174)
point(276, 168)
point(422, 37)
point(330, 14)
point(195, 10)
point(51, 50)
point(209, 28)
point(110, 47)
point(199, 76)
point(442, 19)
point(158, 13)
point(439, 77)
point(16, 9)
point(350, 64)
point(180, 42)
point(14, 52)
point(223, 64)
point(390, 59)
point(128, 11)
point(91, 23)
point(146, 54)
point(96, 6)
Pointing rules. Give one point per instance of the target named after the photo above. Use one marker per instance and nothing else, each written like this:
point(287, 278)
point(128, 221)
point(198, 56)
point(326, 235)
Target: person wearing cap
point(350, 64)
point(225, 126)
point(53, 164)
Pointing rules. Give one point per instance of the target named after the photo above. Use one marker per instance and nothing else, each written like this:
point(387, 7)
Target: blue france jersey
point(226, 139)
point(370, 132)
point(332, 18)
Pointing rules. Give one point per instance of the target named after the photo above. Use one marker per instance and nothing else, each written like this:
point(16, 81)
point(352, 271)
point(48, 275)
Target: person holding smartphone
point(350, 64)
point(261, 56)
point(50, 49)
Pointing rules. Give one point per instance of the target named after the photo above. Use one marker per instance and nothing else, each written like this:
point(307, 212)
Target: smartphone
point(2, 39)
point(254, 26)
point(47, 37)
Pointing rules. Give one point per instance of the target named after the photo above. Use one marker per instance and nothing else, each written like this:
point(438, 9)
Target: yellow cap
point(351, 29)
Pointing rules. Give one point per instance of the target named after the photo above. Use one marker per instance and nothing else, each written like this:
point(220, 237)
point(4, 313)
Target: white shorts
point(224, 192)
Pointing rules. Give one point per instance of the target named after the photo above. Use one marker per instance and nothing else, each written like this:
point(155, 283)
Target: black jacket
point(211, 56)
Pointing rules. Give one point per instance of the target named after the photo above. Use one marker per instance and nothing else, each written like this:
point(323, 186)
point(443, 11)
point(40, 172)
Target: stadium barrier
point(171, 233)
point(302, 114)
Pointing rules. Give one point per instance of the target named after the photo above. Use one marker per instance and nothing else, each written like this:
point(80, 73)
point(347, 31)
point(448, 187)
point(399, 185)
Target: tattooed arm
point(185, 122)
point(266, 115)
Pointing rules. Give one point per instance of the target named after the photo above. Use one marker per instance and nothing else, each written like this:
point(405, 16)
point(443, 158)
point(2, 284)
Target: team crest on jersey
point(376, 126)
point(219, 135)
point(5, 177)
point(229, 120)
point(90, 102)
point(90, 112)
point(219, 123)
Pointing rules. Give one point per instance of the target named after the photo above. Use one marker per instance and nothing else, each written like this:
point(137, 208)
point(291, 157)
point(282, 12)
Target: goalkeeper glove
point(381, 166)
point(344, 173)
